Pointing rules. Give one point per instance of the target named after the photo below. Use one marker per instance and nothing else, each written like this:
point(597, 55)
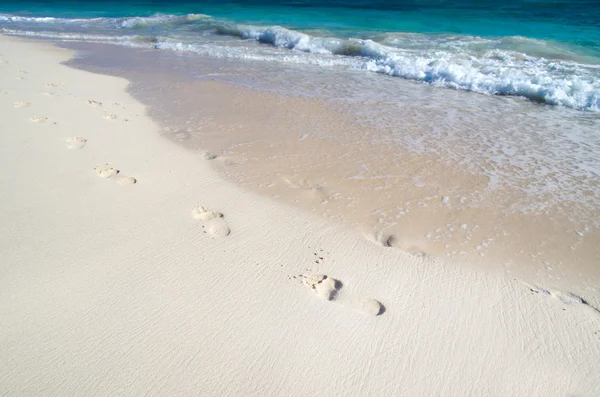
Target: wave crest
point(539, 70)
point(486, 66)
point(159, 19)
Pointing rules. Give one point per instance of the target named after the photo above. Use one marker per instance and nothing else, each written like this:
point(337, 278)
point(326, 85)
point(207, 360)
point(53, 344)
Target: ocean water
point(545, 51)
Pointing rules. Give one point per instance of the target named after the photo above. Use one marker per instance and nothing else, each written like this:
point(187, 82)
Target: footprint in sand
point(21, 104)
point(384, 239)
point(327, 288)
point(369, 306)
point(208, 156)
point(106, 171)
point(565, 297)
point(324, 286)
point(120, 105)
point(38, 119)
point(214, 223)
point(98, 105)
point(204, 214)
point(94, 103)
point(109, 116)
point(126, 180)
point(76, 142)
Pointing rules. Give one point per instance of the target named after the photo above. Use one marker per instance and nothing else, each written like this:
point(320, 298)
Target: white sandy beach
point(115, 288)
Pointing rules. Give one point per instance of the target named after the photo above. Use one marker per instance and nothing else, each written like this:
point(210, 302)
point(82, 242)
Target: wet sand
point(331, 158)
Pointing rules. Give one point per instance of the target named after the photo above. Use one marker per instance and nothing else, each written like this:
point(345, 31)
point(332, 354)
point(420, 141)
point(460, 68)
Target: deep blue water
point(547, 51)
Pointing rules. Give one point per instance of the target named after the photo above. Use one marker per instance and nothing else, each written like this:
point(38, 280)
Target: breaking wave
point(539, 70)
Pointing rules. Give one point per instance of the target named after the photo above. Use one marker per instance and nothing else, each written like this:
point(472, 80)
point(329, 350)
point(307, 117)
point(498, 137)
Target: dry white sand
point(111, 286)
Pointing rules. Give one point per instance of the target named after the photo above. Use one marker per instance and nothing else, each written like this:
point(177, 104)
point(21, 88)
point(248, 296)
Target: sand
point(129, 268)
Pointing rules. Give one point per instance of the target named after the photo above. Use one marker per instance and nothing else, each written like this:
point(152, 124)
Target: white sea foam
point(496, 71)
point(48, 20)
point(129, 41)
point(539, 70)
point(11, 18)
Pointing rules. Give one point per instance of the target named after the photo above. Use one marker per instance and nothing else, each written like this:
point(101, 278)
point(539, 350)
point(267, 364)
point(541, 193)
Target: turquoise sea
point(545, 51)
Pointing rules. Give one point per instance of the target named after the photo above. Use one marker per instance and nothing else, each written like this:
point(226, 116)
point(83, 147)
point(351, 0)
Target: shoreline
point(329, 157)
point(118, 288)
